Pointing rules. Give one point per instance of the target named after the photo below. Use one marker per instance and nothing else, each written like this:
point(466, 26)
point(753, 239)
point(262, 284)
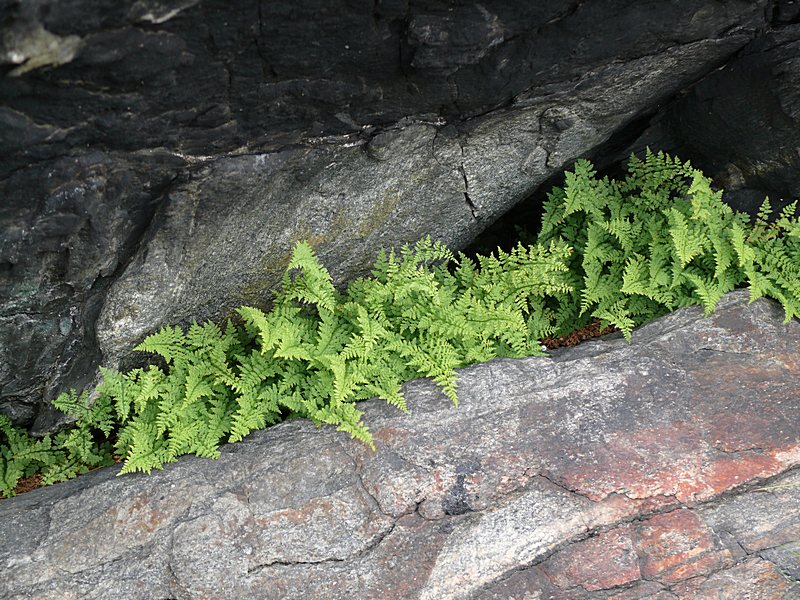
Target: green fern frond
point(313, 284)
point(709, 292)
point(687, 241)
point(168, 342)
point(197, 386)
point(616, 314)
point(148, 449)
point(636, 277)
point(63, 471)
point(580, 187)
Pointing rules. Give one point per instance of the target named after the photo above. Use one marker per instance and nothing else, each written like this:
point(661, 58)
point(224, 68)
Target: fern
point(688, 241)
point(21, 456)
point(662, 239)
point(622, 251)
point(168, 342)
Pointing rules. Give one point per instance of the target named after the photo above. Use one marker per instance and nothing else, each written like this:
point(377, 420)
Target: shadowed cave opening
point(522, 222)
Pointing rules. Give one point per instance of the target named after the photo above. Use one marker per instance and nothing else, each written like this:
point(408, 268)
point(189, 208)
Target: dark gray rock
point(632, 471)
point(786, 11)
point(741, 124)
point(58, 254)
point(208, 138)
point(198, 76)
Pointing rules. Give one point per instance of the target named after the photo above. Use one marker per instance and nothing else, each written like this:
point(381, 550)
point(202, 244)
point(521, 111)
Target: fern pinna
point(623, 252)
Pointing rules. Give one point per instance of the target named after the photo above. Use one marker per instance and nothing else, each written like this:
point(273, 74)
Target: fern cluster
point(70, 453)
point(621, 251)
point(662, 239)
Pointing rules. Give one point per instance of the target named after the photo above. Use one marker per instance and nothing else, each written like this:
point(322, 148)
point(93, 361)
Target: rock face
point(160, 157)
point(742, 122)
point(663, 469)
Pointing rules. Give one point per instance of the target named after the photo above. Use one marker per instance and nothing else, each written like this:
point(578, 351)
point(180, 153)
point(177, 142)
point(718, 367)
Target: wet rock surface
point(160, 157)
point(664, 469)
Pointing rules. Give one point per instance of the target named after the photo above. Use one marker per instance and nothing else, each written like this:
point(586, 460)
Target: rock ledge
point(607, 471)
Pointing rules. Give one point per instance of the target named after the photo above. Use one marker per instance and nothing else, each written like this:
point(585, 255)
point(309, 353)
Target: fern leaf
point(148, 450)
point(707, 291)
point(617, 315)
point(259, 322)
point(168, 342)
point(347, 418)
point(579, 187)
point(197, 387)
point(687, 242)
point(313, 284)
point(63, 471)
point(636, 278)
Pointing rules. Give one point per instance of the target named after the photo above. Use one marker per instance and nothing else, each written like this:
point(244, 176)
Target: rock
point(741, 124)
point(58, 255)
point(663, 469)
point(219, 136)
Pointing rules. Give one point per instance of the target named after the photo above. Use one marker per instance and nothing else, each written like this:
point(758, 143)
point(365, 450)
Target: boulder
point(665, 468)
point(160, 157)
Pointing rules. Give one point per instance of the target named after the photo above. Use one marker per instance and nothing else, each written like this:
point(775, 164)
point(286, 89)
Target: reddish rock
point(675, 546)
point(605, 561)
point(754, 579)
point(644, 589)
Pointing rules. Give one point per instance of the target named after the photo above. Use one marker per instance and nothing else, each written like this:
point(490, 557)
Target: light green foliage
point(621, 251)
point(662, 239)
point(70, 453)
